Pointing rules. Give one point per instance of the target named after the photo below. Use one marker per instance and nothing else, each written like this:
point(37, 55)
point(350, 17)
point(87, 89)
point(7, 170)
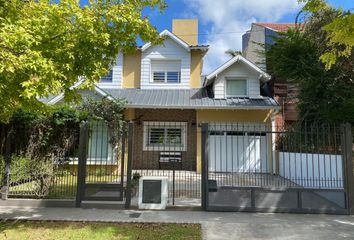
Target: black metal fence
point(52, 177)
point(101, 164)
point(168, 149)
point(254, 167)
point(283, 168)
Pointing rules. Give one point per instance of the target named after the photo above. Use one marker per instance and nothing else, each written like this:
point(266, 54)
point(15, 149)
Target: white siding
point(242, 71)
point(168, 51)
point(117, 75)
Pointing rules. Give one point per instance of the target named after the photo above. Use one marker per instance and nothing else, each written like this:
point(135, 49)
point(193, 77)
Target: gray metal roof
point(187, 99)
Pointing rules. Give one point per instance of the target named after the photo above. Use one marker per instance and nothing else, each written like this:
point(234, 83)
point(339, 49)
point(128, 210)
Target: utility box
point(153, 192)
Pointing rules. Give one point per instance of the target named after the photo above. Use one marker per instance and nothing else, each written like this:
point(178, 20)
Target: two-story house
point(167, 99)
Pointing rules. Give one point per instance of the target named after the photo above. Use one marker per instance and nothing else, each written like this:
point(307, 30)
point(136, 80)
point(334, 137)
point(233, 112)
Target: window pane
point(236, 88)
point(108, 77)
point(159, 77)
point(173, 77)
point(156, 135)
point(98, 146)
point(174, 136)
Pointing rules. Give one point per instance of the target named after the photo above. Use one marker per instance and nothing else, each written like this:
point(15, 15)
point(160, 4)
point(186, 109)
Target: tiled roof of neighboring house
point(279, 27)
point(186, 99)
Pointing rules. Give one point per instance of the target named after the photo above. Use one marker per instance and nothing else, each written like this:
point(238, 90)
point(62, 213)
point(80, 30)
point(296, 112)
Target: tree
point(340, 32)
point(324, 95)
point(45, 47)
point(233, 53)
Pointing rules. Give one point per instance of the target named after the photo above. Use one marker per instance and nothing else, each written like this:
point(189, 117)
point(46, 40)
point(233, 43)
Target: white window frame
point(237, 79)
point(165, 125)
point(165, 72)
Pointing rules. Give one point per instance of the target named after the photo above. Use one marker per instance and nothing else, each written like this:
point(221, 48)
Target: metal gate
point(167, 149)
point(102, 174)
point(300, 168)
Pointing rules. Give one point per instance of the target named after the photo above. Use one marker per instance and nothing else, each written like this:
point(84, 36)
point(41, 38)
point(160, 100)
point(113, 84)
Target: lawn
point(45, 230)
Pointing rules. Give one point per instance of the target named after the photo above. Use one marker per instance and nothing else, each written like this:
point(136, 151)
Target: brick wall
point(150, 159)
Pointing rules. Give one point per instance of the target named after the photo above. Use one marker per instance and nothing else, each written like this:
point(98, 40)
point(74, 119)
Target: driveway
point(215, 225)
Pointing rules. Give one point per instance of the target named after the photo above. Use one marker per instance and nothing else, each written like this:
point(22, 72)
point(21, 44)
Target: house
point(254, 43)
point(168, 99)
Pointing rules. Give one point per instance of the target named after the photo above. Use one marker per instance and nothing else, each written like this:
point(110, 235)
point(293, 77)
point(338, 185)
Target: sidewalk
point(215, 225)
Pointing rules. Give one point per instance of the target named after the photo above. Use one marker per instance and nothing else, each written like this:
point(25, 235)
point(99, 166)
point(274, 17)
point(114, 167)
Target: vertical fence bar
point(122, 166)
point(205, 160)
point(81, 175)
point(7, 167)
point(129, 165)
point(347, 148)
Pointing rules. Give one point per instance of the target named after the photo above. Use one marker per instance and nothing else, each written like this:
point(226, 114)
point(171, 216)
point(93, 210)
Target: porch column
point(199, 149)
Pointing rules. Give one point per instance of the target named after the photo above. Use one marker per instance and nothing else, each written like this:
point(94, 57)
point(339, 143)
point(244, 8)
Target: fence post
point(347, 148)
point(81, 175)
point(7, 167)
point(128, 191)
point(205, 160)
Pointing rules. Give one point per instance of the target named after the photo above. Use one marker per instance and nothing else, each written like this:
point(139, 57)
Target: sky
point(222, 22)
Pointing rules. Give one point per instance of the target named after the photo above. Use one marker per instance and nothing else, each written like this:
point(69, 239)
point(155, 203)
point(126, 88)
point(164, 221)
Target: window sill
point(164, 149)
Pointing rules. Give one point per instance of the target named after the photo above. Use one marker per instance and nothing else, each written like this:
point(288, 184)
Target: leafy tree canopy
point(324, 94)
point(46, 46)
point(339, 31)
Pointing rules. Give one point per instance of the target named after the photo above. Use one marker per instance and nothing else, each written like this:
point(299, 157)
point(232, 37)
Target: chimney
point(186, 29)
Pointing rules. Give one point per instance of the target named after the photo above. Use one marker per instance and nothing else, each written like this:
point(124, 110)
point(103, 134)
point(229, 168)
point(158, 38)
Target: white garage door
point(237, 152)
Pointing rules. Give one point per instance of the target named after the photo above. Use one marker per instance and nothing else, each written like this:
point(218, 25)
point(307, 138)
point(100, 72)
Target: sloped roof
point(279, 27)
point(178, 40)
point(170, 35)
point(187, 99)
point(233, 60)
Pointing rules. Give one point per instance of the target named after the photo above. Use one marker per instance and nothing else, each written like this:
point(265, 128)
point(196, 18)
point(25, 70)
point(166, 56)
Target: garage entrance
point(239, 149)
point(258, 167)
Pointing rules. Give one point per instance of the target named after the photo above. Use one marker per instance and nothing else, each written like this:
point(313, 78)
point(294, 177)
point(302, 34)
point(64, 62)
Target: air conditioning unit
point(153, 192)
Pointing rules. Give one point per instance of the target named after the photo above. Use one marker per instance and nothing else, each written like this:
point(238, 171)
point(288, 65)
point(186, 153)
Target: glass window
point(173, 77)
point(167, 136)
point(156, 135)
point(107, 78)
point(98, 144)
point(174, 136)
point(166, 71)
point(236, 87)
point(159, 77)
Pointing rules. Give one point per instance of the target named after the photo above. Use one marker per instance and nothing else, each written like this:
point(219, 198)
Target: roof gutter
point(205, 107)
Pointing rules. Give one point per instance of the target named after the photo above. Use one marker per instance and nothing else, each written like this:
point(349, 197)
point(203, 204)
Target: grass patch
point(45, 230)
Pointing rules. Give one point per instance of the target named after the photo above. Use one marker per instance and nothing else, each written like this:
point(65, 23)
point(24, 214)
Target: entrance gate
point(102, 172)
point(303, 168)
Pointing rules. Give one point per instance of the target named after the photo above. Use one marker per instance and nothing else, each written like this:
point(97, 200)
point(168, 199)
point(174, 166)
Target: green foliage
point(100, 172)
point(41, 135)
point(324, 95)
point(135, 180)
point(110, 111)
point(339, 31)
point(233, 53)
point(46, 46)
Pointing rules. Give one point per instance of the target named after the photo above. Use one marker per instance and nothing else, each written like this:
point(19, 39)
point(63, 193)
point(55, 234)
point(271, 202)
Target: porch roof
point(187, 99)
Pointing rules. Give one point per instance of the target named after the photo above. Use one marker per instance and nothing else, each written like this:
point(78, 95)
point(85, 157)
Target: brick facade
point(150, 159)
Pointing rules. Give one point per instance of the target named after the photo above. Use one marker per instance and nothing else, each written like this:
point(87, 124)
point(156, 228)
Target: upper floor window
point(107, 78)
point(236, 87)
point(166, 71)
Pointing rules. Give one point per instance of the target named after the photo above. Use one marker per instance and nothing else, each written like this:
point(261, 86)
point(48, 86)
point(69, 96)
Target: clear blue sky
point(222, 22)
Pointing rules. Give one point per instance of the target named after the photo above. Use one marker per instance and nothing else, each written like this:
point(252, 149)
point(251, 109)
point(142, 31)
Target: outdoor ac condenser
point(153, 192)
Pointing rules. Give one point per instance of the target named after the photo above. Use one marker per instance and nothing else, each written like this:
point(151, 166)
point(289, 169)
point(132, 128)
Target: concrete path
point(215, 225)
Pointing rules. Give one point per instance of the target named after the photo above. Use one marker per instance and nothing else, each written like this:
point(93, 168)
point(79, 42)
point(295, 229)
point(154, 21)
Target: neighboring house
point(254, 44)
point(167, 99)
